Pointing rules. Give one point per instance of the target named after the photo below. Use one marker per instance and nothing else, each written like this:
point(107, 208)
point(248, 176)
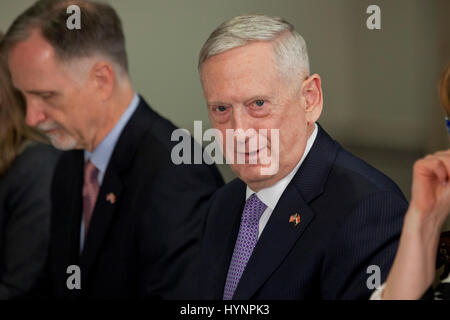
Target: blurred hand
point(414, 266)
point(430, 199)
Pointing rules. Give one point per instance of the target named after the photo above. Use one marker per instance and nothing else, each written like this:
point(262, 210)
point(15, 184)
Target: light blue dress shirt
point(102, 153)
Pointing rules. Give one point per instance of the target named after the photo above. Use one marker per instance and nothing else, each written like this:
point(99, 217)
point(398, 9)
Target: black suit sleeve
point(170, 231)
point(368, 237)
point(26, 232)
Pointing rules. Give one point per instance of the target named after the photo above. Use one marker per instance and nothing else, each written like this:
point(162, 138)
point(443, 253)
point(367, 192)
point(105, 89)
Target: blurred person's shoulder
point(31, 172)
point(359, 177)
point(36, 158)
point(155, 139)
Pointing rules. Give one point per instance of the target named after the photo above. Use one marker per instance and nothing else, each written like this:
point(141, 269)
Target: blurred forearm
point(413, 270)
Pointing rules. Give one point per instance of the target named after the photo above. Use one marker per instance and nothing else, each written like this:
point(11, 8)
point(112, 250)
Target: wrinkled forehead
point(249, 66)
point(32, 56)
point(34, 65)
point(250, 57)
point(32, 50)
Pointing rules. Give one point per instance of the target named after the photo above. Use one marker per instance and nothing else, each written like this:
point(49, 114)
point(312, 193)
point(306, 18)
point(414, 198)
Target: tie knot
point(90, 173)
point(253, 209)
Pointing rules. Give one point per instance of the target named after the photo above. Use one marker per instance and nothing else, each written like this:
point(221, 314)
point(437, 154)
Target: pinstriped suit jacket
point(351, 219)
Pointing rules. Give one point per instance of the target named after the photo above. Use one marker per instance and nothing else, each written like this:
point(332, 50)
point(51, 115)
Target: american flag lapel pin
point(111, 198)
point(295, 219)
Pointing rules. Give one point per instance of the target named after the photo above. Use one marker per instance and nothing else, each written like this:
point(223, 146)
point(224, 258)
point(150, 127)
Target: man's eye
point(46, 96)
point(221, 108)
point(259, 103)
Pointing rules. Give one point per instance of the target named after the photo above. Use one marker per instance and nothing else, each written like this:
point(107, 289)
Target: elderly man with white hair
point(324, 224)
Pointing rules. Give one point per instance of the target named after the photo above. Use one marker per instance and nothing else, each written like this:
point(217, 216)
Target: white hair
point(290, 48)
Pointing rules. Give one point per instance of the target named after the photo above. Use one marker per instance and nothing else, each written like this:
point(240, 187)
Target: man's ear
point(312, 97)
point(103, 76)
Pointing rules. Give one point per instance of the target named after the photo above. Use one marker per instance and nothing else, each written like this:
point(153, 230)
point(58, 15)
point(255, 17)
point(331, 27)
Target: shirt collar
point(446, 280)
point(102, 153)
point(270, 196)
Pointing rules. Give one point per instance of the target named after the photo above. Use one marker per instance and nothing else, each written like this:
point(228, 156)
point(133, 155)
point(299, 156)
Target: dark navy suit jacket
point(146, 243)
point(351, 217)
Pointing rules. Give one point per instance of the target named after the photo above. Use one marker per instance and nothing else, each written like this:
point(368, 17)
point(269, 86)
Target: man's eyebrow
point(218, 103)
point(41, 92)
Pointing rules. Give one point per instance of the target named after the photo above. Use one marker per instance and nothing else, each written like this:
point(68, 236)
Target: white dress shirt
point(270, 196)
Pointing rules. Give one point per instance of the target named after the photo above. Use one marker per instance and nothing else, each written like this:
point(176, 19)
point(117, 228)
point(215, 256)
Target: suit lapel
point(66, 217)
point(72, 232)
point(218, 244)
point(279, 235)
point(111, 191)
point(101, 219)
point(274, 244)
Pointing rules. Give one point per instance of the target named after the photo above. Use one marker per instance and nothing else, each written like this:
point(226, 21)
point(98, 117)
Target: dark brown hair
point(101, 30)
point(444, 90)
point(14, 133)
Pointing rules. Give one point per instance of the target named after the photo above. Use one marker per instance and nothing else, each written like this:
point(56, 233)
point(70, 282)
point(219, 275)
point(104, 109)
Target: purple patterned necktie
point(246, 241)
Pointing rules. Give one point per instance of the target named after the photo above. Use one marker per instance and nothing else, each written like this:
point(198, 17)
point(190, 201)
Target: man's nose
point(244, 126)
point(35, 114)
point(241, 120)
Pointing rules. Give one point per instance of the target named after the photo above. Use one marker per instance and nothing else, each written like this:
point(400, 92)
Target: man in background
point(123, 213)
point(314, 222)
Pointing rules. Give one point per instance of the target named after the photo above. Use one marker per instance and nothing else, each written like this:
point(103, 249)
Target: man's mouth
point(51, 131)
point(48, 128)
point(250, 154)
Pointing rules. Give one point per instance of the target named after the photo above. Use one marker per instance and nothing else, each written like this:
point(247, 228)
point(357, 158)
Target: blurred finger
point(444, 158)
point(431, 166)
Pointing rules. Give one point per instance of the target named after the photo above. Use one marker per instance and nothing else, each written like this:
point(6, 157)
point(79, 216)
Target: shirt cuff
point(378, 293)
